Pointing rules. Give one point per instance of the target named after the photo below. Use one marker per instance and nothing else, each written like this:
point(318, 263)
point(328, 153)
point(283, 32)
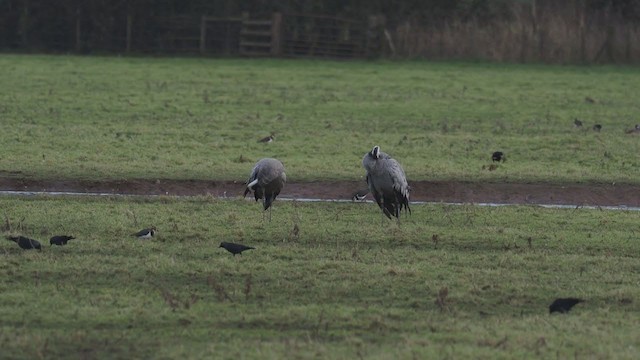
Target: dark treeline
point(501, 30)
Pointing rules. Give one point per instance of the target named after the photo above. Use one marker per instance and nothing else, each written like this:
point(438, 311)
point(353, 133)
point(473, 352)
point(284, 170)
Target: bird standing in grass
point(577, 123)
point(146, 233)
point(60, 240)
point(387, 182)
point(235, 248)
point(268, 139)
point(25, 243)
point(635, 130)
point(597, 127)
point(563, 305)
point(360, 195)
point(266, 181)
point(498, 156)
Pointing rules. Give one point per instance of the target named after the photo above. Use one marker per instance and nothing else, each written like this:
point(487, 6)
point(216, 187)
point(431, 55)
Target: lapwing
point(635, 130)
point(268, 139)
point(577, 123)
point(359, 195)
point(146, 233)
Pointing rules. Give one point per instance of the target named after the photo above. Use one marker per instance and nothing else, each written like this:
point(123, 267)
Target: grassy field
point(71, 117)
point(451, 282)
point(344, 287)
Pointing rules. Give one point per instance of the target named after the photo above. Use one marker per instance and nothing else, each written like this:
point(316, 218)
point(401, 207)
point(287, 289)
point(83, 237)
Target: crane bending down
point(266, 181)
point(387, 182)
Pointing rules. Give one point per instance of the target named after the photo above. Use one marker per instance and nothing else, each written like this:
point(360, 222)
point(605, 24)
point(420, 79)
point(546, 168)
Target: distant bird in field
point(146, 233)
point(577, 123)
point(597, 127)
point(387, 182)
point(60, 240)
point(498, 156)
point(25, 243)
point(563, 305)
point(635, 130)
point(266, 181)
point(268, 139)
point(235, 248)
point(359, 195)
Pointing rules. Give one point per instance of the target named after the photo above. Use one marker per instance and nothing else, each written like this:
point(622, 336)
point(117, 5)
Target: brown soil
point(445, 191)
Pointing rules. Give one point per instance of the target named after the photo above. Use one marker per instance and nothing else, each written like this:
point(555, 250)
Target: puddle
point(550, 206)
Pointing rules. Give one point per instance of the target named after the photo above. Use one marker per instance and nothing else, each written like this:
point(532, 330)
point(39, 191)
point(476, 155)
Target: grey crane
point(266, 181)
point(387, 182)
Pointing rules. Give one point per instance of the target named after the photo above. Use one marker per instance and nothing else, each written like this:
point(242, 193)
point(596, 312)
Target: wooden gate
point(286, 35)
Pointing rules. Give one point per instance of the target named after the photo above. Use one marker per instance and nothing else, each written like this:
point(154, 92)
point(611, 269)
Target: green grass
point(346, 287)
point(69, 117)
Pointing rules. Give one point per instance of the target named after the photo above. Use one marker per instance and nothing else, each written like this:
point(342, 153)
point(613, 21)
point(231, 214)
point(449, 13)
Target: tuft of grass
point(69, 117)
point(459, 281)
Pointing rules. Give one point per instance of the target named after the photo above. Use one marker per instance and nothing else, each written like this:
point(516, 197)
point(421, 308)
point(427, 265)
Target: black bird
point(146, 233)
point(25, 243)
point(235, 248)
point(563, 305)
point(60, 240)
point(577, 123)
point(498, 156)
point(597, 127)
point(359, 195)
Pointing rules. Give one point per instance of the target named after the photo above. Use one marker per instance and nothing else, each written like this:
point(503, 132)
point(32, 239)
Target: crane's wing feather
point(399, 185)
point(398, 178)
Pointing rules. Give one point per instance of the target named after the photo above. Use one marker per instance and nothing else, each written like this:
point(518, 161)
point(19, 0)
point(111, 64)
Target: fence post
point(276, 34)
point(23, 25)
point(78, 37)
point(129, 25)
point(375, 28)
point(203, 34)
